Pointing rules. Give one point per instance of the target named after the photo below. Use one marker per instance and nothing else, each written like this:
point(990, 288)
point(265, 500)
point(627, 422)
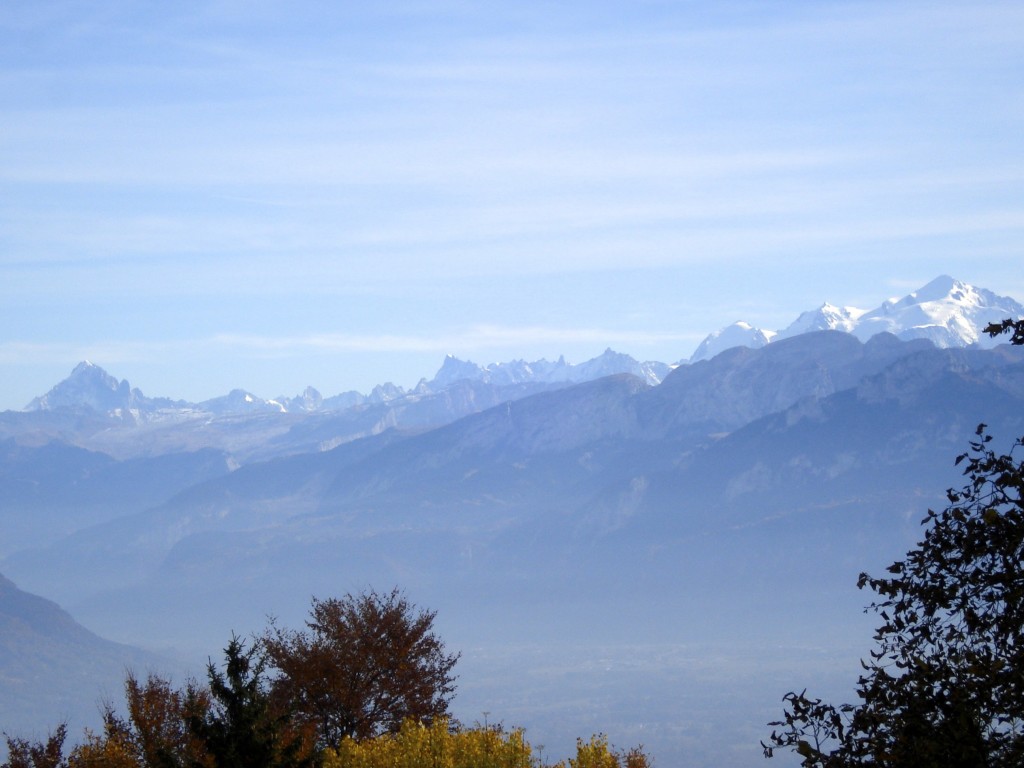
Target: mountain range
point(947, 312)
point(611, 510)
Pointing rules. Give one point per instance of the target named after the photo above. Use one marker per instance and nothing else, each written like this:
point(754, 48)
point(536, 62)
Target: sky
point(202, 196)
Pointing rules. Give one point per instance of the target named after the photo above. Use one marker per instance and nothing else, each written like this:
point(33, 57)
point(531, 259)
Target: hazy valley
point(658, 550)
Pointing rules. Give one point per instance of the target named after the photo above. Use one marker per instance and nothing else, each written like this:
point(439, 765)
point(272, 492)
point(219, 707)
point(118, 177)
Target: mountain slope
point(52, 667)
point(514, 494)
point(53, 489)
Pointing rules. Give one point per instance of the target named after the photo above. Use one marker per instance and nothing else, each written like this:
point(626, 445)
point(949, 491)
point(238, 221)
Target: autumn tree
point(945, 684)
point(442, 745)
point(22, 753)
point(368, 672)
point(156, 732)
point(363, 666)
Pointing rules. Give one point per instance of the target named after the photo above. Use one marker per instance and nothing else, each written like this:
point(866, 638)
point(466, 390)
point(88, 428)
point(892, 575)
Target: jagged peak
point(453, 369)
point(88, 368)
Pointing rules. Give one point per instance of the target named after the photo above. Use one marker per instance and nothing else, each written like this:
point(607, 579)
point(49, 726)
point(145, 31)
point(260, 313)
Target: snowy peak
point(87, 368)
point(608, 363)
point(240, 401)
point(739, 334)
point(825, 318)
point(520, 371)
point(946, 311)
point(941, 288)
point(309, 400)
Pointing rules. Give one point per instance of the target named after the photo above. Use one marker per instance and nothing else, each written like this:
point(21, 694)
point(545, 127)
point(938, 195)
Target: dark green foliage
point(240, 730)
point(1016, 327)
point(945, 684)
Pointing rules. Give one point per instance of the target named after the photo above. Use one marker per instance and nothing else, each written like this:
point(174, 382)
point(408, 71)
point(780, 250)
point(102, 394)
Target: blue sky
point(207, 195)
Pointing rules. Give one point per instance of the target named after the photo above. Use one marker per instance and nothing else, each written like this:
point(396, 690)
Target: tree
point(1015, 327)
point(158, 718)
point(440, 745)
point(22, 753)
point(156, 733)
point(241, 729)
point(363, 666)
point(945, 684)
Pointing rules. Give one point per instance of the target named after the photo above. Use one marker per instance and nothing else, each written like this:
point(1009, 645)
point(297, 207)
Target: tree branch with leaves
point(945, 684)
point(363, 666)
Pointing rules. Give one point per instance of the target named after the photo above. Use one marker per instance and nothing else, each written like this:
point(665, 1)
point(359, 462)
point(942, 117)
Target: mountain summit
point(89, 386)
point(739, 334)
point(946, 311)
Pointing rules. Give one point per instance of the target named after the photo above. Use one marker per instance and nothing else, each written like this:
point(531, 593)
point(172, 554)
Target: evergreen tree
point(240, 729)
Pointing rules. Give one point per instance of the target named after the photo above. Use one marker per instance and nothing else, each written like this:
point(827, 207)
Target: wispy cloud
point(469, 340)
point(321, 166)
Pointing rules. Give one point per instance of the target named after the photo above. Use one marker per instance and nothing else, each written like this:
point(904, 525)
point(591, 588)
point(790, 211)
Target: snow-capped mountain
point(89, 386)
point(739, 334)
point(246, 423)
point(608, 363)
point(825, 318)
point(240, 401)
point(946, 311)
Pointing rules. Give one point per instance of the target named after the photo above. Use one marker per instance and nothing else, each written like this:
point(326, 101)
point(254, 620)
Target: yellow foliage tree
point(594, 754)
point(438, 745)
point(433, 746)
point(106, 751)
point(597, 754)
